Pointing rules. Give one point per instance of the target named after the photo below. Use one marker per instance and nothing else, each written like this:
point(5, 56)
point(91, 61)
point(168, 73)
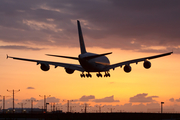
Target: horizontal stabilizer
point(75, 58)
point(95, 56)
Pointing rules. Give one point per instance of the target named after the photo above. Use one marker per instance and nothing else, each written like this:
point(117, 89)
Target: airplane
point(91, 62)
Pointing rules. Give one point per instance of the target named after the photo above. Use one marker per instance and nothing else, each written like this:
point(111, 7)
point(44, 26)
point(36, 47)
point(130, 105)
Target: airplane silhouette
point(91, 62)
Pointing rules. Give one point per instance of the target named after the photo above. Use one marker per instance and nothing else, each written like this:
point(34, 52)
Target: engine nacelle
point(45, 67)
point(147, 64)
point(127, 68)
point(69, 71)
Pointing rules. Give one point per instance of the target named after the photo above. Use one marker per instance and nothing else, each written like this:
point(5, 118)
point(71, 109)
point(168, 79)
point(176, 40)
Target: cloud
point(171, 99)
point(32, 98)
point(142, 98)
point(30, 88)
point(138, 23)
point(74, 100)
point(127, 107)
point(18, 47)
point(86, 98)
point(178, 100)
point(106, 99)
point(53, 99)
point(153, 105)
point(111, 82)
point(40, 103)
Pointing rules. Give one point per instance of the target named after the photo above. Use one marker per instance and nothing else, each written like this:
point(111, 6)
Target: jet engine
point(127, 68)
point(69, 71)
point(45, 67)
point(147, 64)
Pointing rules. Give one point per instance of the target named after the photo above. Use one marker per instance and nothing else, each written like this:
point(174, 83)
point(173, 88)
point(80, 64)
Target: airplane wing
point(135, 61)
point(56, 64)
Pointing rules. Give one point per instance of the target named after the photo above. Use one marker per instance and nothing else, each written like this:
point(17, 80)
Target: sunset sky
point(130, 29)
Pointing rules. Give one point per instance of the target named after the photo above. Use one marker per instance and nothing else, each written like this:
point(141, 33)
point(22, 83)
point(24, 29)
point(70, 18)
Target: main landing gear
point(86, 75)
point(98, 75)
point(107, 74)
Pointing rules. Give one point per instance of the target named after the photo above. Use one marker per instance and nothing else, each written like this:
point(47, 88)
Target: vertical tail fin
point(81, 40)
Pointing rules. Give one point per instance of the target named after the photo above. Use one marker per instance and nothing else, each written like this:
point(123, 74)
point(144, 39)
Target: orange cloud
point(142, 98)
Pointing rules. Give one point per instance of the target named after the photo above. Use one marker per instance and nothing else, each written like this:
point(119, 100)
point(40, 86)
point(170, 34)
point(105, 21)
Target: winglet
point(171, 52)
point(81, 40)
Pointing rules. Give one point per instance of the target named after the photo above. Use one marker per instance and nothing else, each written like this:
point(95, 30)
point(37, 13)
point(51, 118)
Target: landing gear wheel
point(82, 75)
point(99, 74)
point(88, 75)
point(107, 74)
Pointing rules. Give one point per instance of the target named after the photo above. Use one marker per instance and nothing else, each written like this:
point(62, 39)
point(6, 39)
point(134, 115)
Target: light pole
point(85, 107)
point(68, 102)
point(45, 105)
point(99, 108)
point(71, 108)
point(111, 109)
point(41, 107)
point(13, 96)
point(22, 105)
point(4, 102)
point(60, 108)
point(53, 106)
point(31, 100)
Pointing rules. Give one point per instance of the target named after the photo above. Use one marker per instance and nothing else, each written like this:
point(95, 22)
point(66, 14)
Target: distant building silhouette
point(25, 110)
point(158, 110)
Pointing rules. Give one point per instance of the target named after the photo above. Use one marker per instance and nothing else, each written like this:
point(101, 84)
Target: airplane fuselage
point(93, 65)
